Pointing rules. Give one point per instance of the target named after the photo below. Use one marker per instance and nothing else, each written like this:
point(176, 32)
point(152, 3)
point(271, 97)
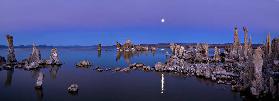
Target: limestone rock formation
point(257, 63)
point(118, 46)
point(11, 59)
point(141, 48)
point(275, 54)
point(201, 53)
point(268, 45)
point(54, 59)
point(246, 44)
point(217, 57)
point(84, 63)
point(128, 45)
point(275, 48)
point(236, 41)
point(34, 60)
point(35, 55)
point(159, 66)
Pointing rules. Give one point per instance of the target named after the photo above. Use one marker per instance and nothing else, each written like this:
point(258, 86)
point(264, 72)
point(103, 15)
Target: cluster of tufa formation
point(128, 46)
point(32, 62)
point(242, 67)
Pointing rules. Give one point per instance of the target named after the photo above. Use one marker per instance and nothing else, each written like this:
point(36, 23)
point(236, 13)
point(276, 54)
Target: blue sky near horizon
point(89, 22)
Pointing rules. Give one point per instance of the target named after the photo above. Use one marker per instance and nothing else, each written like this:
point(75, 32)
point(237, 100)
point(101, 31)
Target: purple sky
point(87, 22)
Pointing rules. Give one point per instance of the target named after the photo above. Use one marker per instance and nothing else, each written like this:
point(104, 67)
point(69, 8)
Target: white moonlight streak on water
point(162, 83)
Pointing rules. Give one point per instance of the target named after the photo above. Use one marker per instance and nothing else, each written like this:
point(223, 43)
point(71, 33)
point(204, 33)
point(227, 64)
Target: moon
point(162, 20)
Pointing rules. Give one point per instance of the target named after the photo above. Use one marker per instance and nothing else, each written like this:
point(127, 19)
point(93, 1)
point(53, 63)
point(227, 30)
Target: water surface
point(18, 85)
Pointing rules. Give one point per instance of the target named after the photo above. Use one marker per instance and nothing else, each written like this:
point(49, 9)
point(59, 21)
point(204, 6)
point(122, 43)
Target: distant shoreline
point(159, 45)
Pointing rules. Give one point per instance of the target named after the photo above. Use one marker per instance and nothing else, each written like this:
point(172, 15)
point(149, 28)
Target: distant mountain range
point(161, 45)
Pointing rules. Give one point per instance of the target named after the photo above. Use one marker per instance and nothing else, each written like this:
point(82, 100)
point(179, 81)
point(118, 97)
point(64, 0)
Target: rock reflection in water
point(35, 72)
point(99, 53)
point(9, 78)
point(127, 56)
point(53, 71)
point(162, 83)
point(39, 94)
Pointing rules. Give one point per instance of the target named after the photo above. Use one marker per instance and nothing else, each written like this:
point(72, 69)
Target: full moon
point(162, 20)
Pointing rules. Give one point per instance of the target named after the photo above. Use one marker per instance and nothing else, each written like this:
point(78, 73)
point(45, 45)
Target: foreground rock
point(39, 82)
point(54, 59)
point(244, 68)
point(84, 63)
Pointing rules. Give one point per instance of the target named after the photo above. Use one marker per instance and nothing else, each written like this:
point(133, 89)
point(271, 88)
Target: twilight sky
point(89, 22)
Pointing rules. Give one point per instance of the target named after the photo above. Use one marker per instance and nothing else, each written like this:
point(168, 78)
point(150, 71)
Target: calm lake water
point(18, 85)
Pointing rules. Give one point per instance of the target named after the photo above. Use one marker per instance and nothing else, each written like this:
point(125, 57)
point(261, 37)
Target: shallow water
point(106, 86)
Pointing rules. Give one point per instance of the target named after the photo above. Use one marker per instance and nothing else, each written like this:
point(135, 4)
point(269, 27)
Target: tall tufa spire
point(245, 36)
point(268, 44)
point(246, 46)
point(250, 41)
point(236, 42)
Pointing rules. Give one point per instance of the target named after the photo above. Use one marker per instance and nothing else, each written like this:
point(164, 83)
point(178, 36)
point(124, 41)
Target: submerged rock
point(11, 59)
point(54, 59)
point(39, 81)
point(73, 88)
point(84, 63)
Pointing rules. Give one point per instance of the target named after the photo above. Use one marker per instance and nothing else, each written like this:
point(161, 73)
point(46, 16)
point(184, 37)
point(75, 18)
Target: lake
point(18, 84)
